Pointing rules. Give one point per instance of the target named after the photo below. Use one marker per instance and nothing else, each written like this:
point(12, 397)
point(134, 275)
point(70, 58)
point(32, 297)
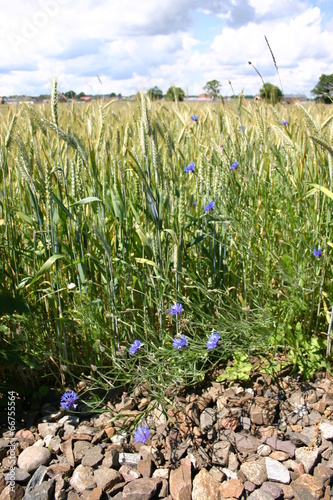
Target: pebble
point(221, 442)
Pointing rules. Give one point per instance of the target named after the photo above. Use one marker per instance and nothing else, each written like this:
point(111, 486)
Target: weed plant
point(113, 213)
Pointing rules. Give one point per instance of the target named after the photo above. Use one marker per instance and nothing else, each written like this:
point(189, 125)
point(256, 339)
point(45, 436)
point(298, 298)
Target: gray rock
point(83, 478)
point(129, 458)
point(143, 489)
point(272, 489)
point(107, 478)
point(264, 450)
point(279, 445)
point(276, 471)
point(207, 419)
point(20, 475)
point(80, 449)
point(48, 429)
point(37, 478)
point(307, 457)
point(53, 443)
point(111, 459)
point(93, 456)
point(307, 487)
point(221, 451)
point(254, 471)
point(34, 456)
point(246, 444)
point(259, 495)
point(326, 430)
point(43, 491)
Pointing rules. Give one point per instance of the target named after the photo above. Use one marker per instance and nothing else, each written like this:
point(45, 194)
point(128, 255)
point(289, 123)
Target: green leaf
point(46, 266)
point(84, 201)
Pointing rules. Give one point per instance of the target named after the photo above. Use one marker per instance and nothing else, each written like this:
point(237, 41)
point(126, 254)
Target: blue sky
point(123, 46)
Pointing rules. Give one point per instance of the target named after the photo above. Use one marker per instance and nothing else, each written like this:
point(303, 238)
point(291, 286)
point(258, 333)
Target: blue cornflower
point(180, 342)
point(234, 166)
point(213, 341)
point(284, 122)
point(195, 118)
point(141, 435)
point(242, 128)
point(210, 206)
point(68, 400)
point(190, 167)
point(317, 253)
point(135, 346)
point(175, 309)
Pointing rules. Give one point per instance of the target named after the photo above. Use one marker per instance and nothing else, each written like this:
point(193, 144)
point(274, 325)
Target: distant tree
point(155, 93)
point(271, 93)
point(175, 93)
point(81, 94)
point(324, 88)
point(213, 88)
point(70, 94)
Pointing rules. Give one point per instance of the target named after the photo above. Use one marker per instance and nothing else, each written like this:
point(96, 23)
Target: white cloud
point(132, 45)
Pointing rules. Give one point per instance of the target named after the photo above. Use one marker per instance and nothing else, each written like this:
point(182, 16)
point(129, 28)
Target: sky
point(126, 46)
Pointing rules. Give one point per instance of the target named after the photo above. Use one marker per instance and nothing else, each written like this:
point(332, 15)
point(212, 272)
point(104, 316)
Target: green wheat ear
point(54, 102)
point(10, 134)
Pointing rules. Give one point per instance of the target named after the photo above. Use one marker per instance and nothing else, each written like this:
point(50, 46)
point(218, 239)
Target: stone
point(80, 449)
point(144, 489)
point(48, 429)
point(276, 471)
point(128, 473)
point(25, 437)
point(233, 463)
point(254, 471)
point(246, 444)
point(307, 487)
point(111, 459)
point(37, 478)
point(288, 491)
point(106, 478)
point(162, 473)
point(259, 495)
point(280, 456)
point(67, 450)
point(273, 489)
point(34, 456)
point(279, 445)
point(58, 470)
point(53, 443)
point(129, 459)
point(180, 483)
point(95, 494)
point(146, 466)
point(326, 429)
point(324, 473)
point(233, 488)
point(264, 450)
point(207, 419)
point(221, 451)
point(83, 478)
point(43, 491)
point(93, 456)
point(308, 457)
point(205, 487)
point(21, 475)
point(8, 494)
point(263, 411)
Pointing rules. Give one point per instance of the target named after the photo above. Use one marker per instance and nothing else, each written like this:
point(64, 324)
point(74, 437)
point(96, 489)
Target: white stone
point(276, 471)
point(32, 457)
point(326, 430)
